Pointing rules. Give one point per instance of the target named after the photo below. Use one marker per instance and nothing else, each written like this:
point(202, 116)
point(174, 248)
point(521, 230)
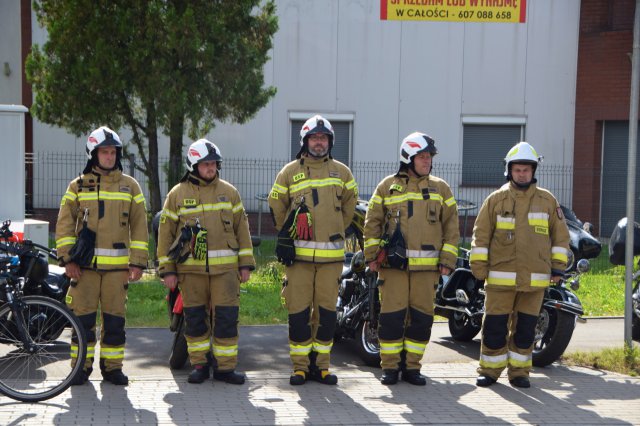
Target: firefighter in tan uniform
point(520, 244)
point(419, 210)
point(102, 241)
point(204, 247)
point(312, 202)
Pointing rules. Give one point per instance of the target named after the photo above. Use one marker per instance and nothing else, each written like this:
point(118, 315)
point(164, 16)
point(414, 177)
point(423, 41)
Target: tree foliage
point(170, 66)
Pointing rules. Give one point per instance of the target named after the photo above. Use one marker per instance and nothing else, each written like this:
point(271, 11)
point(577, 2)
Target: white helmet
point(314, 125)
point(202, 150)
point(414, 144)
point(100, 138)
point(521, 153)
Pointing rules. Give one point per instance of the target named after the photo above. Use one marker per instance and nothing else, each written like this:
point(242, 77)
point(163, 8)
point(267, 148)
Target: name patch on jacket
point(334, 174)
point(395, 187)
point(298, 177)
point(189, 202)
point(222, 198)
point(541, 230)
point(125, 189)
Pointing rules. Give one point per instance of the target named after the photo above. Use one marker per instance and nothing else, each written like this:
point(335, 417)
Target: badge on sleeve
point(559, 213)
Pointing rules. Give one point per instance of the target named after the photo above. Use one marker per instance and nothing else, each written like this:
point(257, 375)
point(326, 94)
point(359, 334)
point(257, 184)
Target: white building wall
point(10, 85)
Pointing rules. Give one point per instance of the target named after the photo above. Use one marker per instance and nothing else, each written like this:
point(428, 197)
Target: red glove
point(304, 227)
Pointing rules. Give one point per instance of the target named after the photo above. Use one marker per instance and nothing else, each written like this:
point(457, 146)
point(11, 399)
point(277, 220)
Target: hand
point(135, 273)
point(170, 281)
point(444, 270)
point(373, 266)
point(245, 274)
point(72, 270)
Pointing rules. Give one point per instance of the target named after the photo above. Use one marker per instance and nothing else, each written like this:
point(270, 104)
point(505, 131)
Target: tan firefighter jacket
point(428, 217)
point(330, 193)
point(218, 208)
point(519, 239)
point(116, 212)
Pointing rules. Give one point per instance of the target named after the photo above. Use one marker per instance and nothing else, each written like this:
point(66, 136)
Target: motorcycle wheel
point(552, 336)
point(461, 327)
point(179, 353)
point(368, 344)
point(635, 322)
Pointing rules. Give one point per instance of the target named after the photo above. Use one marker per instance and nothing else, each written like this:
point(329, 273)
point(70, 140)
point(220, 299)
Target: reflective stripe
point(372, 242)
point(108, 260)
point(112, 353)
point(105, 195)
point(328, 250)
point(539, 219)
point(319, 244)
point(202, 345)
point(414, 347)
point(171, 215)
point(423, 257)
point(299, 349)
point(450, 201)
point(479, 254)
point(246, 252)
point(213, 260)
point(164, 260)
point(391, 348)
point(519, 360)
point(90, 351)
point(315, 183)
point(139, 198)
point(65, 241)
point(322, 349)
point(352, 185)
point(375, 199)
point(416, 196)
point(501, 278)
point(69, 196)
point(497, 361)
point(279, 188)
point(560, 254)
point(540, 280)
point(505, 222)
point(238, 207)
point(449, 248)
point(225, 350)
point(140, 245)
point(111, 252)
point(201, 208)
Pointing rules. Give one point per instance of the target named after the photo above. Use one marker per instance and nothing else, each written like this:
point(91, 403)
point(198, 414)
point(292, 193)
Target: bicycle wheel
point(42, 368)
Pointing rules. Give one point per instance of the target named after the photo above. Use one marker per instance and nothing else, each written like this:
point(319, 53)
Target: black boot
point(414, 377)
point(199, 374)
point(520, 382)
point(390, 377)
point(485, 381)
point(298, 378)
point(231, 377)
point(115, 376)
point(82, 377)
point(323, 376)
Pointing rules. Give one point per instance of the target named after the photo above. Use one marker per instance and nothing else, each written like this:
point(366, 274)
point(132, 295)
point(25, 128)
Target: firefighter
point(520, 244)
point(313, 200)
point(102, 241)
point(411, 237)
point(204, 248)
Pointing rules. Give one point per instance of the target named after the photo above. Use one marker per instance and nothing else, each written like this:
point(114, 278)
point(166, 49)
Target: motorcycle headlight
point(357, 262)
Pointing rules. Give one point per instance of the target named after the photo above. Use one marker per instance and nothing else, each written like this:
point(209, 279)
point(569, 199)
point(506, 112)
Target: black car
point(583, 245)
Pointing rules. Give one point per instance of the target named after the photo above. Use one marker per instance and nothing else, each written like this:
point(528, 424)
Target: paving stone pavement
point(560, 395)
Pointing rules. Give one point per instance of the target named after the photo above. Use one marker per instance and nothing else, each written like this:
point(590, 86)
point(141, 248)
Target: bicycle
point(39, 336)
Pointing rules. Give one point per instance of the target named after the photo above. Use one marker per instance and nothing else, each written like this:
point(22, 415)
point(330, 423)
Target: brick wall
point(602, 92)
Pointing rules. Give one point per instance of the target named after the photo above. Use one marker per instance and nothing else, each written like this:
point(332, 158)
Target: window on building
point(483, 149)
point(342, 128)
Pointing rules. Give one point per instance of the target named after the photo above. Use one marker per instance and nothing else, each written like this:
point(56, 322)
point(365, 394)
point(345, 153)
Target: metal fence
point(52, 172)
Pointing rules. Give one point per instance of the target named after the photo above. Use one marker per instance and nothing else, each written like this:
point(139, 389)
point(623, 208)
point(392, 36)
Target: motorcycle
point(617, 257)
point(582, 243)
point(40, 278)
point(460, 298)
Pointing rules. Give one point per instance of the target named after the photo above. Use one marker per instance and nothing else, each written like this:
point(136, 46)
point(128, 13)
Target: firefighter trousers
point(406, 316)
point(508, 331)
point(108, 290)
point(211, 301)
point(310, 296)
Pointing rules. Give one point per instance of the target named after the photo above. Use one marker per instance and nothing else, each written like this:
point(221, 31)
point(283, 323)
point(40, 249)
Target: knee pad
point(88, 322)
point(494, 331)
point(392, 325)
point(525, 330)
point(226, 322)
point(114, 333)
point(420, 327)
point(195, 319)
point(327, 325)
point(299, 328)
